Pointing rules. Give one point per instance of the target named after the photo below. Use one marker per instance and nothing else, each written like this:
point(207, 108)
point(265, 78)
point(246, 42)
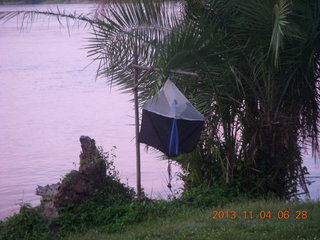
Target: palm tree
point(258, 86)
point(261, 67)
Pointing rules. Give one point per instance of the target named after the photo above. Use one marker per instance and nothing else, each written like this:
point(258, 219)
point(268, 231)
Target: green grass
point(197, 223)
point(112, 213)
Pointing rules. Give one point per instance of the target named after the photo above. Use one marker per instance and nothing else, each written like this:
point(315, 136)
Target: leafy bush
point(109, 158)
point(206, 196)
point(116, 217)
point(68, 177)
point(27, 225)
point(111, 210)
point(104, 208)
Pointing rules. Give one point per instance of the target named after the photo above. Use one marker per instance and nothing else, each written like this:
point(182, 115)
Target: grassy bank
point(197, 223)
point(178, 219)
point(203, 213)
point(112, 212)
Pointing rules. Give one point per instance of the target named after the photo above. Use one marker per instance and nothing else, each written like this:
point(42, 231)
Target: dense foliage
point(258, 62)
point(186, 218)
point(103, 207)
point(258, 86)
point(198, 224)
point(109, 210)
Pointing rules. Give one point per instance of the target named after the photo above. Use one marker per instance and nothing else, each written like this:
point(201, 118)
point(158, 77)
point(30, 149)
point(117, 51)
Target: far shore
point(36, 2)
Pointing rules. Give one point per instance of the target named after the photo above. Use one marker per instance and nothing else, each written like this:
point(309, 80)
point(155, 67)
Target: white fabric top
point(170, 102)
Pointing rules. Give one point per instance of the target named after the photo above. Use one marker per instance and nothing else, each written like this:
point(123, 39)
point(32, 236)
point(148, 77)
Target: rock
point(89, 150)
point(76, 185)
point(47, 193)
point(95, 172)
point(49, 210)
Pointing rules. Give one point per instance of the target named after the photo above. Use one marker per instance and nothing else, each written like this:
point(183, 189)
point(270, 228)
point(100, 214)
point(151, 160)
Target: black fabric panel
point(155, 132)
point(189, 134)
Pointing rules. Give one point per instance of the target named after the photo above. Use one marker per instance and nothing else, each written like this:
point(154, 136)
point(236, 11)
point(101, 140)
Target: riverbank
point(92, 203)
point(241, 219)
point(287, 221)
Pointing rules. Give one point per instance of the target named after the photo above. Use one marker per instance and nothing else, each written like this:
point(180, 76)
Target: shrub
point(27, 225)
point(69, 176)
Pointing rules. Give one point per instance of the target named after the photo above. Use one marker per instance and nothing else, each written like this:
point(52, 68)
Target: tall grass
point(197, 224)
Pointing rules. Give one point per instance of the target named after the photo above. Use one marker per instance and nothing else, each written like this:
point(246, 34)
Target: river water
point(49, 98)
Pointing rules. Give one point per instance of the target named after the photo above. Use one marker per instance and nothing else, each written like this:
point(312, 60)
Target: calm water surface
point(48, 99)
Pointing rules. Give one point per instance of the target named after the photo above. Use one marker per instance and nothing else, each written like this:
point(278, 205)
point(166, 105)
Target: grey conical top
point(170, 102)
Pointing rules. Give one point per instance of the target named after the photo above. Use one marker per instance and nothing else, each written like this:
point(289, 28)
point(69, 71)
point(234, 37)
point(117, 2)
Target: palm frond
point(281, 15)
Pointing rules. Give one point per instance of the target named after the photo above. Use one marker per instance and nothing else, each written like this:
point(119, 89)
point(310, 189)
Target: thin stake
point(136, 110)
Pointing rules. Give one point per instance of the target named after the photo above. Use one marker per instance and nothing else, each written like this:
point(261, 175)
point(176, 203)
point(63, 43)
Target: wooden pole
point(136, 110)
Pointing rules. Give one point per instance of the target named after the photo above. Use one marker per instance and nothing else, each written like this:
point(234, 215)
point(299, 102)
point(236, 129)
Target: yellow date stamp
point(281, 214)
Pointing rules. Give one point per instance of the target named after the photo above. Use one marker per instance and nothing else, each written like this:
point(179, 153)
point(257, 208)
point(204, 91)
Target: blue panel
point(174, 139)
